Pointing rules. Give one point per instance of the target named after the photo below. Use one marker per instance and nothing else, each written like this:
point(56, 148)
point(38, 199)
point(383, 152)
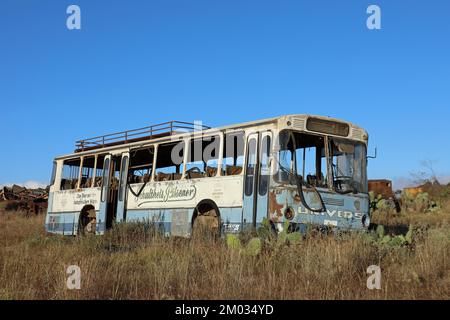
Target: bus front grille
point(334, 202)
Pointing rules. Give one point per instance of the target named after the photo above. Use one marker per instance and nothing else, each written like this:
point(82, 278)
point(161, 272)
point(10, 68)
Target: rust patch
point(381, 187)
point(274, 206)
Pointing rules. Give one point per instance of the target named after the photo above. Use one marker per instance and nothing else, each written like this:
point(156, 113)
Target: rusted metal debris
point(21, 193)
point(17, 198)
point(275, 207)
point(383, 188)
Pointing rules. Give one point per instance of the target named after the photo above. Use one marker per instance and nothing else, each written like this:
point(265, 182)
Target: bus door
point(262, 189)
point(257, 176)
point(108, 199)
point(122, 194)
point(101, 219)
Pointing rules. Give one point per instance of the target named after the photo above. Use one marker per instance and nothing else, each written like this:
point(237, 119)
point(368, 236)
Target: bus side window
point(98, 181)
point(233, 154)
point(70, 172)
point(306, 154)
point(211, 154)
point(141, 165)
point(311, 161)
point(169, 161)
point(203, 156)
point(87, 173)
point(52, 179)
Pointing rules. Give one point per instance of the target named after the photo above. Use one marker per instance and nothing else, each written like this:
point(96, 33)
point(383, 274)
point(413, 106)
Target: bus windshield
point(349, 166)
point(305, 155)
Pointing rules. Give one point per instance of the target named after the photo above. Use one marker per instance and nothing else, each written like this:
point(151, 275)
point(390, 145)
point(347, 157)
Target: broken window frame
point(148, 167)
point(238, 155)
point(91, 172)
point(354, 185)
point(294, 162)
point(98, 172)
point(179, 168)
point(213, 140)
point(315, 158)
point(73, 175)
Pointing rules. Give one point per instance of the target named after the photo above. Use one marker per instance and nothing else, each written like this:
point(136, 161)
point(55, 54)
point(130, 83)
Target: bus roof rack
point(147, 133)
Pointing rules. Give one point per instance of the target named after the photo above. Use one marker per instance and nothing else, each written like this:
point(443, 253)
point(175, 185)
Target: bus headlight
point(289, 213)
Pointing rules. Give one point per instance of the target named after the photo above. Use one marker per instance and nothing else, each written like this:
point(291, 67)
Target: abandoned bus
point(308, 170)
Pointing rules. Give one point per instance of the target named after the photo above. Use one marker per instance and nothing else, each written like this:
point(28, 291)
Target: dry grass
point(131, 263)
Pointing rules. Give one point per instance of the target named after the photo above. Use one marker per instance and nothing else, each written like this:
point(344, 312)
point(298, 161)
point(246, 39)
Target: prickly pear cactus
point(380, 231)
point(253, 247)
point(422, 202)
point(233, 242)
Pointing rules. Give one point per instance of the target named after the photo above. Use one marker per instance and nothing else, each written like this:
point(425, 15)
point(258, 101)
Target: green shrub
point(421, 203)
point(380, 239)
point(253, 247)
point(233, 242)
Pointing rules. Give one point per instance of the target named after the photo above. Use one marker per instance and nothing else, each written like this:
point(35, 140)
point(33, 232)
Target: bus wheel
point(206, 225)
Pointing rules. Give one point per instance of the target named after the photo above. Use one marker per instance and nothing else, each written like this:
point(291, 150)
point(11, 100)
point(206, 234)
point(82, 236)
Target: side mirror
point(375, 156)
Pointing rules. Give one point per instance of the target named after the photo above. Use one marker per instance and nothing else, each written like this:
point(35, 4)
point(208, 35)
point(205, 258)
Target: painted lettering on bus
point(170, 193)
point(333, 213)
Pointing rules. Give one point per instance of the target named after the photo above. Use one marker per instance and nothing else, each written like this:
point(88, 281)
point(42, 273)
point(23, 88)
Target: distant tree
point(426, 174)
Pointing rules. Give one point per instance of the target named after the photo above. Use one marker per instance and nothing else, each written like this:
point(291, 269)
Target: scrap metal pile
point(29, 201)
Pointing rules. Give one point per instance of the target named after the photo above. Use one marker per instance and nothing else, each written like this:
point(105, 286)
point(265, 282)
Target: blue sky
point(136, 63)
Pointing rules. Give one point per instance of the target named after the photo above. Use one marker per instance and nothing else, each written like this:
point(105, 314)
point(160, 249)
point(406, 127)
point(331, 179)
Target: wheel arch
point(87, 208)
point(203, 206)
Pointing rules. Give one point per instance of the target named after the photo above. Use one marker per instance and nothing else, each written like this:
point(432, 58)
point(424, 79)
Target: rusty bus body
point(308, 170)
